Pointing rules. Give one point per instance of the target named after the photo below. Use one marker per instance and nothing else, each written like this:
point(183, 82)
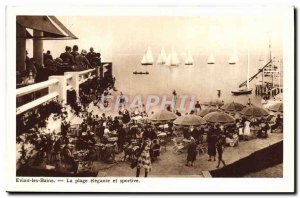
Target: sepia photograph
point(166, 94)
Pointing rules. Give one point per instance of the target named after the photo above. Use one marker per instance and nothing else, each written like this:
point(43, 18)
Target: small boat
point(161, 60)
point(242, 92)
point(233, 58)
point(247, 90)
point(189, 59)
point(174, 59)
point(211, 59)
point(147, 58)
point(137, 73)
point(168, 60)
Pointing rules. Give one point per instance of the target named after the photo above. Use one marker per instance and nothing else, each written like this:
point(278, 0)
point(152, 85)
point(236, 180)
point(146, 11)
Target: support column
point(38, 48)
point(21, 48)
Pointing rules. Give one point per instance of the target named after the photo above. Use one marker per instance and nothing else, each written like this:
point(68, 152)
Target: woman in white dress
point(247, 132)
point(240, 127)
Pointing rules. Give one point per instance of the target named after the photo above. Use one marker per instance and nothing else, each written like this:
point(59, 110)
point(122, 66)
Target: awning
point(52, 28)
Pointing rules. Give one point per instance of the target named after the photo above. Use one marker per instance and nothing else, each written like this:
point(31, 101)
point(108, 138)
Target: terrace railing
point(57, 87)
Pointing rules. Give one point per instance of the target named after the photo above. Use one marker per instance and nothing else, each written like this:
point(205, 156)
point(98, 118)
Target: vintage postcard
point(150, 99)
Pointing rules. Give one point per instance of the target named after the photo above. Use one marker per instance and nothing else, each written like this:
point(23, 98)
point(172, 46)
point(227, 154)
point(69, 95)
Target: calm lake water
point(200, 80)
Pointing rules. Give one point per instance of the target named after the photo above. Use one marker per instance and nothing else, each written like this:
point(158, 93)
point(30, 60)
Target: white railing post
point(73, 80)
point(60, 87)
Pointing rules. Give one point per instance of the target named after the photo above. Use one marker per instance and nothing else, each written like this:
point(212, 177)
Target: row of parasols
point(214, 115)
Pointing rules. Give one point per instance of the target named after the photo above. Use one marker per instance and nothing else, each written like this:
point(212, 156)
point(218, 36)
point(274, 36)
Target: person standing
point(47, 56)
point(174, 97)
point(144, 160)
point(121, 137)
point(191, 152)
point(75, 51)
point(82, 61)
point(211, 144)
point(247, 131)
point(67, 57)
point(249, 102)
point(220, 149)
point(31, 68)
point(91, 55)
point(197, 107)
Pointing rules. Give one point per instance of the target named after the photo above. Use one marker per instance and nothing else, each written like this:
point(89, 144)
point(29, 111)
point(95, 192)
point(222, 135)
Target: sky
point(132, 35)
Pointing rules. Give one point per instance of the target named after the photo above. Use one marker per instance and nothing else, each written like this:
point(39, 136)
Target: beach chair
point(178, 147)
point(163, 140)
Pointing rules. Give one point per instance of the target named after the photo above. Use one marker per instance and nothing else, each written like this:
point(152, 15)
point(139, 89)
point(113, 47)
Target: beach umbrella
point(233, 106)
point(218, 117)
point(254, 111)
point(189, 120)
point(203, 112)
point(278, 107)
point(163, 115)
point(214, 102)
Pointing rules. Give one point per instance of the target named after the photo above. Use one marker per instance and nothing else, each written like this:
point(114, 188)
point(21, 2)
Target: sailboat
point(247, 90)
point(147, 58)
point(174, 59)
point(189, 59)
point(144, 60)
point(168, 60)
point(211, 59)
point(233, 58)
point(161, 60)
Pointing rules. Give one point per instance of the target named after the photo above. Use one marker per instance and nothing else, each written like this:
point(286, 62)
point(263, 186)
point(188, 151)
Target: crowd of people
point(70, 60)
point(101, 136)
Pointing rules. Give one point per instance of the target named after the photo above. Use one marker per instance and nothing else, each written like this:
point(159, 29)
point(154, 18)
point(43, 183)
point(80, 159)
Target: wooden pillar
point(21, 48)
point(38, 47)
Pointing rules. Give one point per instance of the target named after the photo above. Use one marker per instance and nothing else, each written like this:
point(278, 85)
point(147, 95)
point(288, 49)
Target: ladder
point(255, 75)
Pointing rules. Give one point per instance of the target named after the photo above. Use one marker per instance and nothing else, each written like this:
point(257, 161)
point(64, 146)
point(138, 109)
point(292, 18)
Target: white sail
point(233, 58)
point(159, 60)
point(189, 59)
point(144, 60)
point(163, 55)
point(149, 56)
point(168, 60)
point(211, 59)
point(174, 59)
